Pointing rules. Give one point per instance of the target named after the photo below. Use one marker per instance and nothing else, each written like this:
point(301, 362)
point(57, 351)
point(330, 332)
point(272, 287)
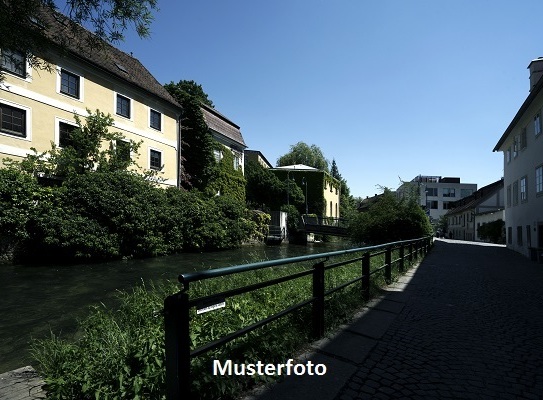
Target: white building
point(437, 193)
point(484, 206)
point(522, 146)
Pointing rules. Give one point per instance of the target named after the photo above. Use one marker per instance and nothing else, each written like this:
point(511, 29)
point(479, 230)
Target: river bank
point(39, 299)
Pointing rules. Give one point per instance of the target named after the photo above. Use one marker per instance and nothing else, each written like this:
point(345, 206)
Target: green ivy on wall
point(227, 181)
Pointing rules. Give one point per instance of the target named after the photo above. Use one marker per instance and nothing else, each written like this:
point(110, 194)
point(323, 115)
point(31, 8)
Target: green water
point(36, 300)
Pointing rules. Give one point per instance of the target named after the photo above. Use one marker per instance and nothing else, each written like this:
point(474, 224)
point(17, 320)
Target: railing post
point(402, 255)
point(388, 265)
point(410, 253)
point(318, 300)
point(421, 248)
point(366, 277)
point(177, 346)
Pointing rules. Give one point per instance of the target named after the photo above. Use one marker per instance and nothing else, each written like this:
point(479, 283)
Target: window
point(218, 155)
point(515, 193)
point(122, 150)
point(431, 192)
point(447, 205)
point(523, 190)
point(12, 120)
point(519, 235)
point(516, 145)
point(14, 62)
point(449, 192)
point(123, 106)
point(237, 160)
point(508, 195)
point(537, 124)
point(508, 155)
point(65, 134)
point(69, 83)
point(155, 120)
point(523, 140)
point(155, 159)
point(539, 180)
point(465, 192)
point(510, 235)
point(431, 204)
point(528, 236)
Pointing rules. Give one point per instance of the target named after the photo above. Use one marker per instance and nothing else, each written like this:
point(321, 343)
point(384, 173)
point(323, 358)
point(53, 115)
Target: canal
point(37, 300)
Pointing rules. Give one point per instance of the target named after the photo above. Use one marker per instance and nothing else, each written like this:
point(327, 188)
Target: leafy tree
point(24, 24)
point(346, 201)
point(492, 231)
point(301, 153)
point(197, 148)
point(390, 219)
point(85, 153)
point(266, 192)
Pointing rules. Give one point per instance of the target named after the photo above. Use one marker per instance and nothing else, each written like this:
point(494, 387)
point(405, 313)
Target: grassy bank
point(119, 353)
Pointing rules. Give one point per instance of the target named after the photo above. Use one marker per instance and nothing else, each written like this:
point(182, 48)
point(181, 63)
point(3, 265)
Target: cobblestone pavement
point(472, 328)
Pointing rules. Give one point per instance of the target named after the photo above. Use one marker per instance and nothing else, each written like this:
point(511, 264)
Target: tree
point(301, 153)
point(84, 152)
point(265, 191)
point(197, 147)
point(390, 219)
point(492, 231)
point(25, 24)
point(346, 201)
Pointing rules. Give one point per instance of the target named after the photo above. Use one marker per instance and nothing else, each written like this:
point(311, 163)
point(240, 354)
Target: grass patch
point(120, 352)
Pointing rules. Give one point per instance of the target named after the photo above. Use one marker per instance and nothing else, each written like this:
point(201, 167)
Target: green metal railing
point(177, 307)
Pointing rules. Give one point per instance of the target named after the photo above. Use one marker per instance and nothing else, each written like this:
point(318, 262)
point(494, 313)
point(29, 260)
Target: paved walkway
point(466, 324)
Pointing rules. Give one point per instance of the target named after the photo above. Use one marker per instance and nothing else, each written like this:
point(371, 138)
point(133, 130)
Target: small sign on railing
point(210, 305)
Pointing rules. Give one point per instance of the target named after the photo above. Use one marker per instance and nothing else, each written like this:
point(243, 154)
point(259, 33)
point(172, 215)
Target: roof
point(222, 125)
point(258, 154)
point(520, 113)
point(472, 201)
point(297, 167)
point(107, 58)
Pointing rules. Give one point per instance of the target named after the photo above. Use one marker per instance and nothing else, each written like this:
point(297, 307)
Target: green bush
point(390, 219)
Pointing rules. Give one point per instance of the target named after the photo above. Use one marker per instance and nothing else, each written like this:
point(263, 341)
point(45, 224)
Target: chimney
point(536, 71)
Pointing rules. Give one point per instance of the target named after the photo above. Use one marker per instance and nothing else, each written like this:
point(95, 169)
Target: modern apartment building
point(522, 147)
point(37, 107)
point(437, 193)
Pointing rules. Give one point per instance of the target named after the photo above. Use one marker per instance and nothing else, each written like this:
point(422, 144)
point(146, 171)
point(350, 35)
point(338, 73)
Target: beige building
point(320, 189)
point(38, 107)
point(257, 156)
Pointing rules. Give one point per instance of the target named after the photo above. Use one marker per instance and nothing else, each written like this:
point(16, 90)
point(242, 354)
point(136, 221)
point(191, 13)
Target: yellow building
point(37, 107)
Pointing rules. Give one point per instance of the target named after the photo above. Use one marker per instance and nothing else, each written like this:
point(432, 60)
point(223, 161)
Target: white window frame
point(28, 70)
point(161, 159)
point(57, 129)
point(131, 105)
point(81, 83)
point(537, 124)
point(114, 143)
point(151, 110)
point(523, 189)
point(539, 180)
point(28, 121)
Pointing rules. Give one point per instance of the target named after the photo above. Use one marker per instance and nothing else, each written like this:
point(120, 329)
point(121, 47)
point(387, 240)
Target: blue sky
point(389, 89)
